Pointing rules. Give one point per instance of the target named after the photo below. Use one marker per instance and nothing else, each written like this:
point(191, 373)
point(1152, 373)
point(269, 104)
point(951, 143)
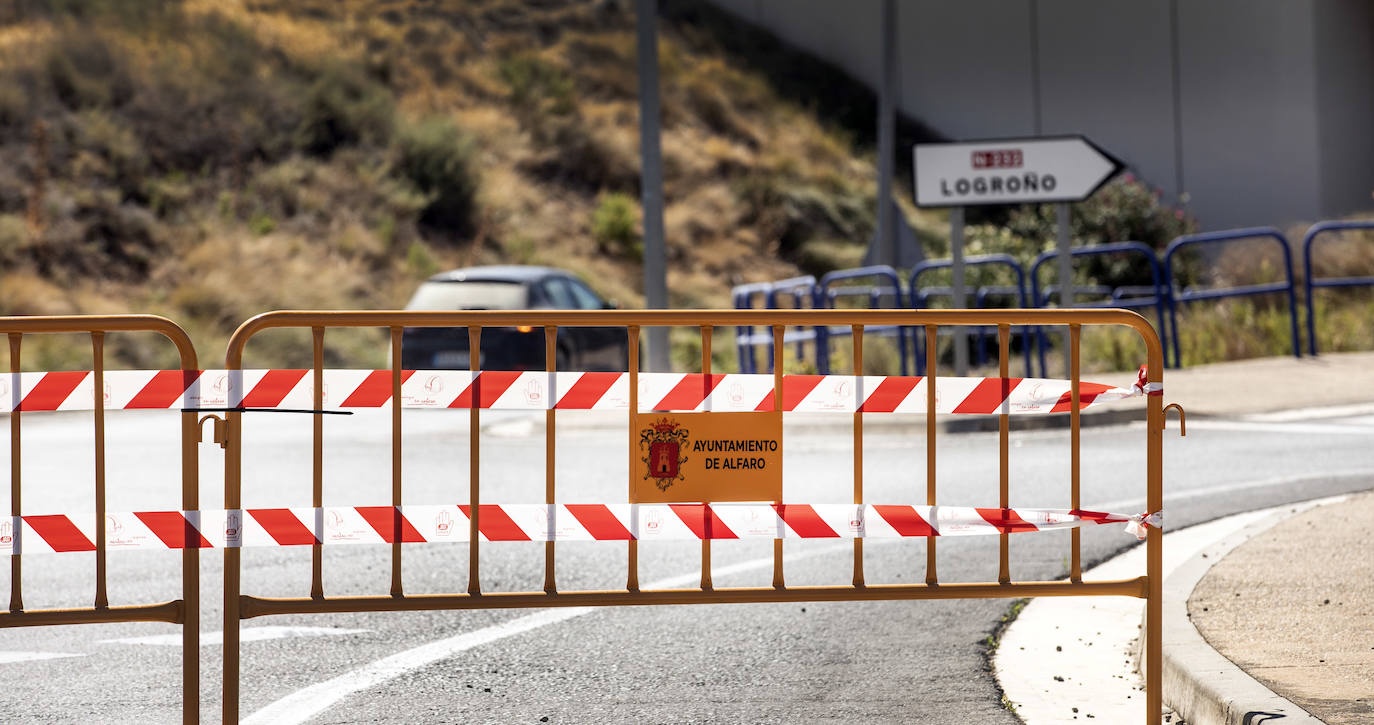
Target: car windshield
point(469, 296)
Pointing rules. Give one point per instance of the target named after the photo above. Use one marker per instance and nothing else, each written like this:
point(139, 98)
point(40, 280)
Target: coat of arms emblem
point(661, 446)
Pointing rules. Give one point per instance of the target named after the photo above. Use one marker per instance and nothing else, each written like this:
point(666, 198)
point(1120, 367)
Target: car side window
point(586, 299)
point(557, 293)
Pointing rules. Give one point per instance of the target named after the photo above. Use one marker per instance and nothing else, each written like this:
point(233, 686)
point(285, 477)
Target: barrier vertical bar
point(190, 556)
point(1075, 469)
point(16, 488)
point(1004, 456)
point(397, 582)
point(233, 501)
point(932, 370)
point(102, 599)
point(1154, 544)
point(706, 584)
point(317, 455)
point(550, 364)
point(857, 338)
point(632, 554)
point(778, 581)
point(474, 457)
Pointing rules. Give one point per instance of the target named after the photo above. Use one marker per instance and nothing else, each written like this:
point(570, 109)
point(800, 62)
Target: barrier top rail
point(1310, 280)
point(686, 318)
point(105, 323)
point(1229, 235)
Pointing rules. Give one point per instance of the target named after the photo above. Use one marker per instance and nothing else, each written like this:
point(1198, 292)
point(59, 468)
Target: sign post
point(1041, 170)
point(1065, 248)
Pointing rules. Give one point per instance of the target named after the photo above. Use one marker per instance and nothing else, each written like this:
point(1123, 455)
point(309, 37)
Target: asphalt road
point(842, 662)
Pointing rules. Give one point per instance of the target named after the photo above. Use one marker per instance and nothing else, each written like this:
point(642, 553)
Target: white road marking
point(1330, 411)
point(302, 705)
point(247, 634)
point(7, 658)
point(1333, 428)
point(1126, 504)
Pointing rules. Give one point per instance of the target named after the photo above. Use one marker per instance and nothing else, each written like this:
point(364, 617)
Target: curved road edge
point(1200, 683)
point(1070, 659)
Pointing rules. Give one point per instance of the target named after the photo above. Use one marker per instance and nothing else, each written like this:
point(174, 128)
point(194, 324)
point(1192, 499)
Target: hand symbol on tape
point(534, 391)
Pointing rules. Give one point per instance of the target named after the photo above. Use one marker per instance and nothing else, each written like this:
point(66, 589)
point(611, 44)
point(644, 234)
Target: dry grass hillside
point(212, 160)
point(209, 160)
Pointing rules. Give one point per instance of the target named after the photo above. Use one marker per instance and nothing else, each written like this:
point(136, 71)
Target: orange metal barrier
point(238, 606)
point(185, 611)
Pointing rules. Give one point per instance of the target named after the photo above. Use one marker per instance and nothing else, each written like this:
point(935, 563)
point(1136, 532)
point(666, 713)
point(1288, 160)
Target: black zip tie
point(266, 410)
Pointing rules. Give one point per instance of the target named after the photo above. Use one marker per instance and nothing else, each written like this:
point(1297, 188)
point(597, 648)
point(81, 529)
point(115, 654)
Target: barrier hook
point(219, 433)
point(1182, 419)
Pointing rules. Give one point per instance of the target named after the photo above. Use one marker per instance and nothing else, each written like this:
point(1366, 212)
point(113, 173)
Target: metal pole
point(956, 255)
point(885, 251)
point(1066, 295)
point(651, 179)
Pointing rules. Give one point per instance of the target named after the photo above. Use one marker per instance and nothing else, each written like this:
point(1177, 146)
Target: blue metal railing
point(743, 298)
point(1016, 294)
point(827, 294)
point(1162, 295)
point(802, 293)
point(1190, 295)
point(919, 297)
point(1313, 232)
point(1131, 297)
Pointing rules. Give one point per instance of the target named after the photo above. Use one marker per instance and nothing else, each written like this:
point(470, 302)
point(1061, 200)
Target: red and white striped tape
point(533, 522)
point(507, 390)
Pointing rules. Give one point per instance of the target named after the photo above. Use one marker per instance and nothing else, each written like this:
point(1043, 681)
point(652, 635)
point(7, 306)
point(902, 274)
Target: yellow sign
point(689, 457)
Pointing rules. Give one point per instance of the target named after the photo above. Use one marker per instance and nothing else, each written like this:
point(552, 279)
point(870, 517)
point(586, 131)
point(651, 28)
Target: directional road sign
point(1011, 171)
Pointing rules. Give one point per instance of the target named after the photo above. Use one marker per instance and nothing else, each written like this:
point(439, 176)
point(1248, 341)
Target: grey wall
point(1248, 91)
point(966, 66)
point(1116, 87)
point(1345, 97)
point(1271, 120)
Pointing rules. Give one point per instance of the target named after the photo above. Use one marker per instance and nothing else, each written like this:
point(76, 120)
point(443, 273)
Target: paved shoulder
point(1294, 608)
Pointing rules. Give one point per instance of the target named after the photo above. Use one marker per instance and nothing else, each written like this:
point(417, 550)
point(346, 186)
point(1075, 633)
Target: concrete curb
point(1200, 684)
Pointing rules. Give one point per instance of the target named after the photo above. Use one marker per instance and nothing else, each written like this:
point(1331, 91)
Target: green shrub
point(439, 159)
point(420, 261)
point(262, 224)
point(344, 107)
point(818, 256)
point(14, 237)
point(615, 226)
point(793, 212)
point(537, 87)
point(15, 110)
point(1124, 210)
point(106, 136)
point(84, 71)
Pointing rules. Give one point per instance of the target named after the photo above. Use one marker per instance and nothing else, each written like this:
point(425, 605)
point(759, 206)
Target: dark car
point(511, 287)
